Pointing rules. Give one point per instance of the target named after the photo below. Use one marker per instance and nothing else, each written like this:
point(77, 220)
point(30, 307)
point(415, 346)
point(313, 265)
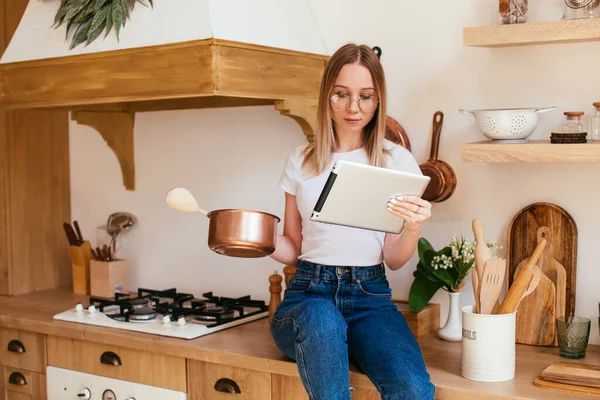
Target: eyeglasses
point(342, 102)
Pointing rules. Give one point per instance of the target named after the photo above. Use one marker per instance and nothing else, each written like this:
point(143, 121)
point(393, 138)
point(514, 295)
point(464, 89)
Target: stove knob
point(166, 320)
point(85, 394)
point(92, 309)
point(181, 321)
point(79, 308)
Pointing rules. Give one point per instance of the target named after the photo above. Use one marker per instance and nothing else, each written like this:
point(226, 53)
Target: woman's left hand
point(414, 210)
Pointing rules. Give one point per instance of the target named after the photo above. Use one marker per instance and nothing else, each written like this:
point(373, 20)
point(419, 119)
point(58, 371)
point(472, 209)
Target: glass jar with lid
point(595, 123)
point(576, 9)
point(513, 11)
point(572, 124)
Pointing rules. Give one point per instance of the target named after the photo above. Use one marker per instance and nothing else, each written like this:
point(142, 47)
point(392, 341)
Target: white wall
point(233, 157)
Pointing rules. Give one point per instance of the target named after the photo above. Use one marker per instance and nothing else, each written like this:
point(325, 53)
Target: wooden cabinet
point(24, 350)
point(34, 188)
point(291, 388)
point(117, 362)
point(19, 384)
point(209, 381)
point(22, 365)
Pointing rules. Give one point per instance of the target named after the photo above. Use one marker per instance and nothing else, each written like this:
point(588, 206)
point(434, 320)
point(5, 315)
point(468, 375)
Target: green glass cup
point(573, 336)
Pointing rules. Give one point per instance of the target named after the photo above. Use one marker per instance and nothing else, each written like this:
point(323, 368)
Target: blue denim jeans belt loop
point(333, 314)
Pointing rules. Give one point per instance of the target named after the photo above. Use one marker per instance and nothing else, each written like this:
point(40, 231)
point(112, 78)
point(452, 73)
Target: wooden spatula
point(537, 274)
point(491, 284)
point(482, 253)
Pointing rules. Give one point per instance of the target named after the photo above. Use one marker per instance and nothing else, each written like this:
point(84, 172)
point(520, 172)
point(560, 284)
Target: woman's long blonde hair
point(318, 154)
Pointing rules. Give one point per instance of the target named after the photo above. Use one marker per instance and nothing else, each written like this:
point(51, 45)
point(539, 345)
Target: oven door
point(64, 384)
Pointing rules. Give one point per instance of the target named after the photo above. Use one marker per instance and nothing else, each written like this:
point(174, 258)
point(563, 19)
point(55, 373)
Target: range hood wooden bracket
point(304, 112)
point(116, 127)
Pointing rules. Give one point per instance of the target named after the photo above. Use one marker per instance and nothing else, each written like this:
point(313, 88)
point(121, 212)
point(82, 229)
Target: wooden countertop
point(251, 346)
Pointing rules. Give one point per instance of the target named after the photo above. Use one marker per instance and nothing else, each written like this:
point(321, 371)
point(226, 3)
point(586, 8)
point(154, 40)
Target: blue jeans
point(329, 314)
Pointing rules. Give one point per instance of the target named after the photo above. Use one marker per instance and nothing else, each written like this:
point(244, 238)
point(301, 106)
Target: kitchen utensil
point(491, 284)
point(475, 283)
point(507, 124)
point(537, 274)
point(443, 178)
point(232, 232)
point(118, 222)
point(537, 313)
point(513, 296)
point(71, 235)
point(573, 374)
point(396, 133)
point(556, 272)
point(482, 252)
point(522, 239)
point(78, 231)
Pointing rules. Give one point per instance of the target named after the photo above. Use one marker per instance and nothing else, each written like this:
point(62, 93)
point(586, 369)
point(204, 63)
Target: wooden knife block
point(81, 257)
point(108, 278)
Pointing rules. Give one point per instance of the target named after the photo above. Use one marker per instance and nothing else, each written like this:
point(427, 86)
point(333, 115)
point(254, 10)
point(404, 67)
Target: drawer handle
point(17, 378)
point(110, 358)
point(227, 385)
point(16, 347)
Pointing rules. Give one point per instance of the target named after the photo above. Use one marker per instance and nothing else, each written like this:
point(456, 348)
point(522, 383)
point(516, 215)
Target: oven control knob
point(181, 321)
point(92, 309)
point(85, 394)
point(166, 320)
point(79, 308)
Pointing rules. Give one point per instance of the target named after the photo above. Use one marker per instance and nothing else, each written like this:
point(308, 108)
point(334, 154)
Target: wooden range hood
point(104, 90)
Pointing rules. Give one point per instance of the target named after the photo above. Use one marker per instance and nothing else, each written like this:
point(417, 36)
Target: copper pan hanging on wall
point(443, 178)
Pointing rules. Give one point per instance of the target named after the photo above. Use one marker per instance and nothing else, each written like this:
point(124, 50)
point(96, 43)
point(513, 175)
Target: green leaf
point(421, 291)
point(426, 272)
point(98, 5)
point(109, 20)
point(118, 16)
point(423, 246)
point(98, 23)
point(81, 34)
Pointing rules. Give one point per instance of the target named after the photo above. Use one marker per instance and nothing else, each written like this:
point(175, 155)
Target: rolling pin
point(521, 281)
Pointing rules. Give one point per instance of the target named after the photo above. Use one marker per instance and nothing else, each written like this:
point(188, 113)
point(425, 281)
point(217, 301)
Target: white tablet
point(356, 195)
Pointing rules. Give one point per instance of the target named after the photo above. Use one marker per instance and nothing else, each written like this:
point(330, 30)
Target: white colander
point(507, 123)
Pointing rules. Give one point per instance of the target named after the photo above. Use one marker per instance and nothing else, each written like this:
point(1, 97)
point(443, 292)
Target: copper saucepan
point(232, 232)
point(396, 133)
point(443, 178)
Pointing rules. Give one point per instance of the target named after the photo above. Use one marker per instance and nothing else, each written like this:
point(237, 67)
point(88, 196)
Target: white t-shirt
point(329, 244)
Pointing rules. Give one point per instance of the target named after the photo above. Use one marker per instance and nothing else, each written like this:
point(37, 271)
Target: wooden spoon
point(181, 199)
point(537, 274)
point(491, 284)
point(482, 253)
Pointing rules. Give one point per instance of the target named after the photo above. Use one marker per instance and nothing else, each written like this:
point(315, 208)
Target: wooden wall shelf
point(584, 30)
point(538, 151)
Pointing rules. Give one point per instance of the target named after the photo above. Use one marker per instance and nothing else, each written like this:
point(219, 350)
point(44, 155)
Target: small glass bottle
point(577, 9)
point(573, 123)
point(595, 123)
point(513, 11)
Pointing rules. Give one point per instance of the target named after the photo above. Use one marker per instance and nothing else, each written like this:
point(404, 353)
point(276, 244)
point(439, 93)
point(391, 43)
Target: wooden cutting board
point(573, 374)
point(562, 246)
point(536, 314)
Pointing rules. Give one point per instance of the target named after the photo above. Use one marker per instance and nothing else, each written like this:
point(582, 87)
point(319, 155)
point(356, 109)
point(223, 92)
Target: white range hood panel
point(288, 24)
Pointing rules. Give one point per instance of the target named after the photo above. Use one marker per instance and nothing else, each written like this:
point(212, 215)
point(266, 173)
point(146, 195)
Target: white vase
point(452, 331)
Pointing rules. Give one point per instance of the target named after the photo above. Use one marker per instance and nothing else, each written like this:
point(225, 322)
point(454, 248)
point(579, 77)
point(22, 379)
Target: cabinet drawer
point(208, 381)
point(291, 388)
point(24, 350)
point(19, 384)
point(118, 362)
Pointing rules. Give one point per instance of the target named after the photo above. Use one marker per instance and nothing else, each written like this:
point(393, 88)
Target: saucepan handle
point(540, 110)
point(464, 111)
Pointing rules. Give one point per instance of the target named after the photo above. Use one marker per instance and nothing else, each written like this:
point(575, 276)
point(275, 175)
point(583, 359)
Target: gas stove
point(167, 312)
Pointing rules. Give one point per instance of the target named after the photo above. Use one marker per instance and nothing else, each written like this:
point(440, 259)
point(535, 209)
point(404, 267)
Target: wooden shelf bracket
point(116, 127)
point(304, 112)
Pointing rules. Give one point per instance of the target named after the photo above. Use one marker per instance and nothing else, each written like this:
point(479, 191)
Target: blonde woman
point(338, 304)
